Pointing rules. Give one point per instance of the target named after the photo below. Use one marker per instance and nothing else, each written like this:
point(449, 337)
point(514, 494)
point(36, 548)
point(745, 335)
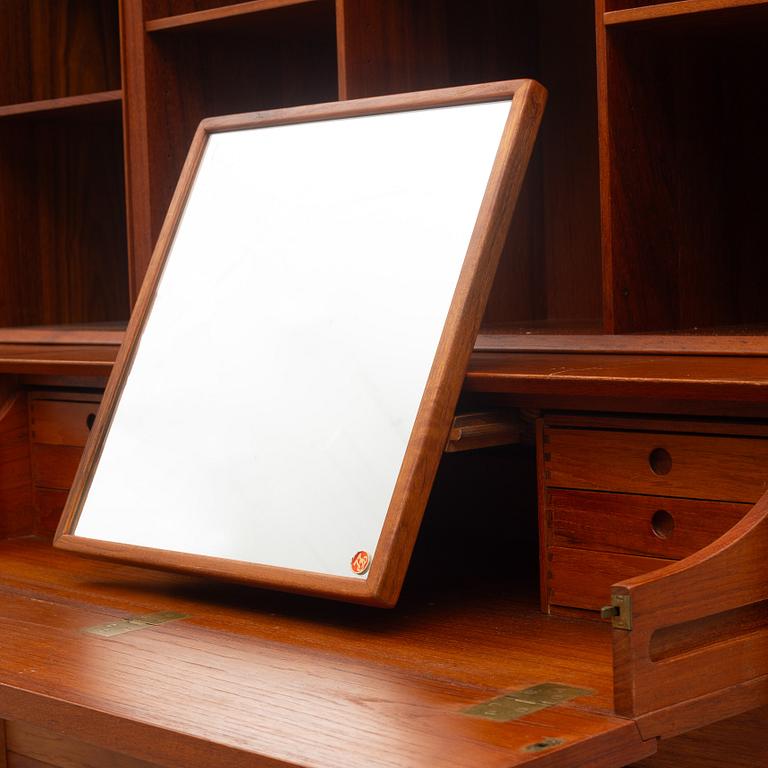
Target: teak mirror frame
point(433, 420)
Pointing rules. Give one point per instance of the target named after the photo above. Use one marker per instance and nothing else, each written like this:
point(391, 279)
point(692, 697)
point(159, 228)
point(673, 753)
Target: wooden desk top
point(292, 680)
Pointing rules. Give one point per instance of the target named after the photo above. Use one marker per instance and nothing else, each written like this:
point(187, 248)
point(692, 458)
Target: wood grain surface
point(708, 592)
point(694, 466)
point(291, 681)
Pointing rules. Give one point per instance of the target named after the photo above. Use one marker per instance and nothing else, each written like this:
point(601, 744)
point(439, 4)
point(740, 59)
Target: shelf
point(197, 18)
point(674, 9)
point(109, 334)
point(297, 681)
point(728, 345)
point(65, 104)
point(592, 381)
point(86, 350)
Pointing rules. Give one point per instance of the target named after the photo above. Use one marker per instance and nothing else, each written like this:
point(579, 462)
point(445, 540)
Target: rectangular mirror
point(281, 402)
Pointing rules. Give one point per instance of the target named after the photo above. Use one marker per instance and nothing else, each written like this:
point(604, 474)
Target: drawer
point(578, 578)
point(54, 466)
point(61, 422)
point(50, 504)
point(637, 525)
point(664, 464)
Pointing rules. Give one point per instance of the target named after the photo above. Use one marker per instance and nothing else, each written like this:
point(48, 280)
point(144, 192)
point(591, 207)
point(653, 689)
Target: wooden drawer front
point(54, 466)
point(61, 422)
point(642, 525)
point(582, 579)
point(693, 466)
point(50, 504)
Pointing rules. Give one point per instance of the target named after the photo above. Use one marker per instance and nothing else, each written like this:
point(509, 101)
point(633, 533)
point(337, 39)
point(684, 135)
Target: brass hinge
point(517, 704)
point(619, 611)
point(135, 623)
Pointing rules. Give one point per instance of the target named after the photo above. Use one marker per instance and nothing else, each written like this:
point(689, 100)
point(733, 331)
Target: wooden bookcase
point(629, 300)
point(642, 206)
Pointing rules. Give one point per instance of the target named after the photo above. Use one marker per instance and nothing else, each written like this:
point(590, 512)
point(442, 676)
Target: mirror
point(288, 379)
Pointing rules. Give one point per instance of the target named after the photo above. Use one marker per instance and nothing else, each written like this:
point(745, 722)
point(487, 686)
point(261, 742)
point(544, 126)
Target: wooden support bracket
point(487, 429)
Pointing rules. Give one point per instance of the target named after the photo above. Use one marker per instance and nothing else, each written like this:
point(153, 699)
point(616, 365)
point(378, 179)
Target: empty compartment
point(64, 48)
point(276, 58)
point(62, 224)
point(688, 165)
point(549, 275)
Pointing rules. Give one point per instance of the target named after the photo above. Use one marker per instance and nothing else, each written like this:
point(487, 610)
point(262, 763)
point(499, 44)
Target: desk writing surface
point(294, 680)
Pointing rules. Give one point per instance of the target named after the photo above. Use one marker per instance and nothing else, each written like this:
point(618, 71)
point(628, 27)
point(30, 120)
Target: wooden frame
point(433, 421)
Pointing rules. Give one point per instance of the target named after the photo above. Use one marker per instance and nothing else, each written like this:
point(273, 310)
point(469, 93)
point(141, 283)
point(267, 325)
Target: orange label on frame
point(361, 562)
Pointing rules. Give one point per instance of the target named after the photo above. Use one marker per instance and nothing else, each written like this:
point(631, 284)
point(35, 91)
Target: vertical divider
point(136, 144)
point(341, 48)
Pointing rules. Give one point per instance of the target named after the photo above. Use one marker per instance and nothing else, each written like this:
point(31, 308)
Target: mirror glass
point(277, 376)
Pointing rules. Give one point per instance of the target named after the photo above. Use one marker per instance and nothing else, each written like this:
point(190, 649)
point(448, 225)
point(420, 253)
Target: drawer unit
point(61, 422)
point(581, 579)
point(59, 425)
point(617, 502)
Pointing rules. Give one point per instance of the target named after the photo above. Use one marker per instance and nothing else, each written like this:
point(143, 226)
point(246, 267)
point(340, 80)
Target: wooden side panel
point(16, 504)
point(699, 630)
point(738, 742)
point(30, 745)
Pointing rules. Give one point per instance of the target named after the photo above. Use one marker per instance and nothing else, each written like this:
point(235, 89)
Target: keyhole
point(89, 419)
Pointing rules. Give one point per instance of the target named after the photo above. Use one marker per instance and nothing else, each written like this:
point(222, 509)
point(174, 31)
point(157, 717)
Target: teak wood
point(659, 665)
point(434, 418)
point(642, 211)
point(255, 678)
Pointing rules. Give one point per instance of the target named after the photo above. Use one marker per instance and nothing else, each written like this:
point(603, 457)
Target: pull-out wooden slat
point(698, 647)
point(253, 679)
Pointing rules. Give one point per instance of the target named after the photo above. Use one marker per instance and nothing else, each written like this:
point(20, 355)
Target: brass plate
point(122, 626)
point(512, 706)
point(623, 620)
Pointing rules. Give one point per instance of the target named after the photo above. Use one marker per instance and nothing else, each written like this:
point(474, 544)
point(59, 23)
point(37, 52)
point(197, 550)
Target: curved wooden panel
point(698, 647)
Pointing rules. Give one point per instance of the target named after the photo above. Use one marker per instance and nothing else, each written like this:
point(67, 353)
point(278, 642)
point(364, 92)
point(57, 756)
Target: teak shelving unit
point(629, 302)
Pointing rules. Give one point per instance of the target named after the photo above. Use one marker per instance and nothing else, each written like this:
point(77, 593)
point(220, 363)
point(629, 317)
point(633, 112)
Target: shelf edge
point(60, 104)
point(673, 9)
point(217, 14)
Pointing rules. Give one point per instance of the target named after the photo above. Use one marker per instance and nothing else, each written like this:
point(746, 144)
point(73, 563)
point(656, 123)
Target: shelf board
point(89, 333)
point(76, 350)
point(721, 344)
point(674, 9)
point(218, 14)
point(63, 104)
point(593, 381)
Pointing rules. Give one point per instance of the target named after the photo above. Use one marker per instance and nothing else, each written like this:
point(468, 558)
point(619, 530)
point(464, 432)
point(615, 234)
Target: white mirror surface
point(277, 379)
